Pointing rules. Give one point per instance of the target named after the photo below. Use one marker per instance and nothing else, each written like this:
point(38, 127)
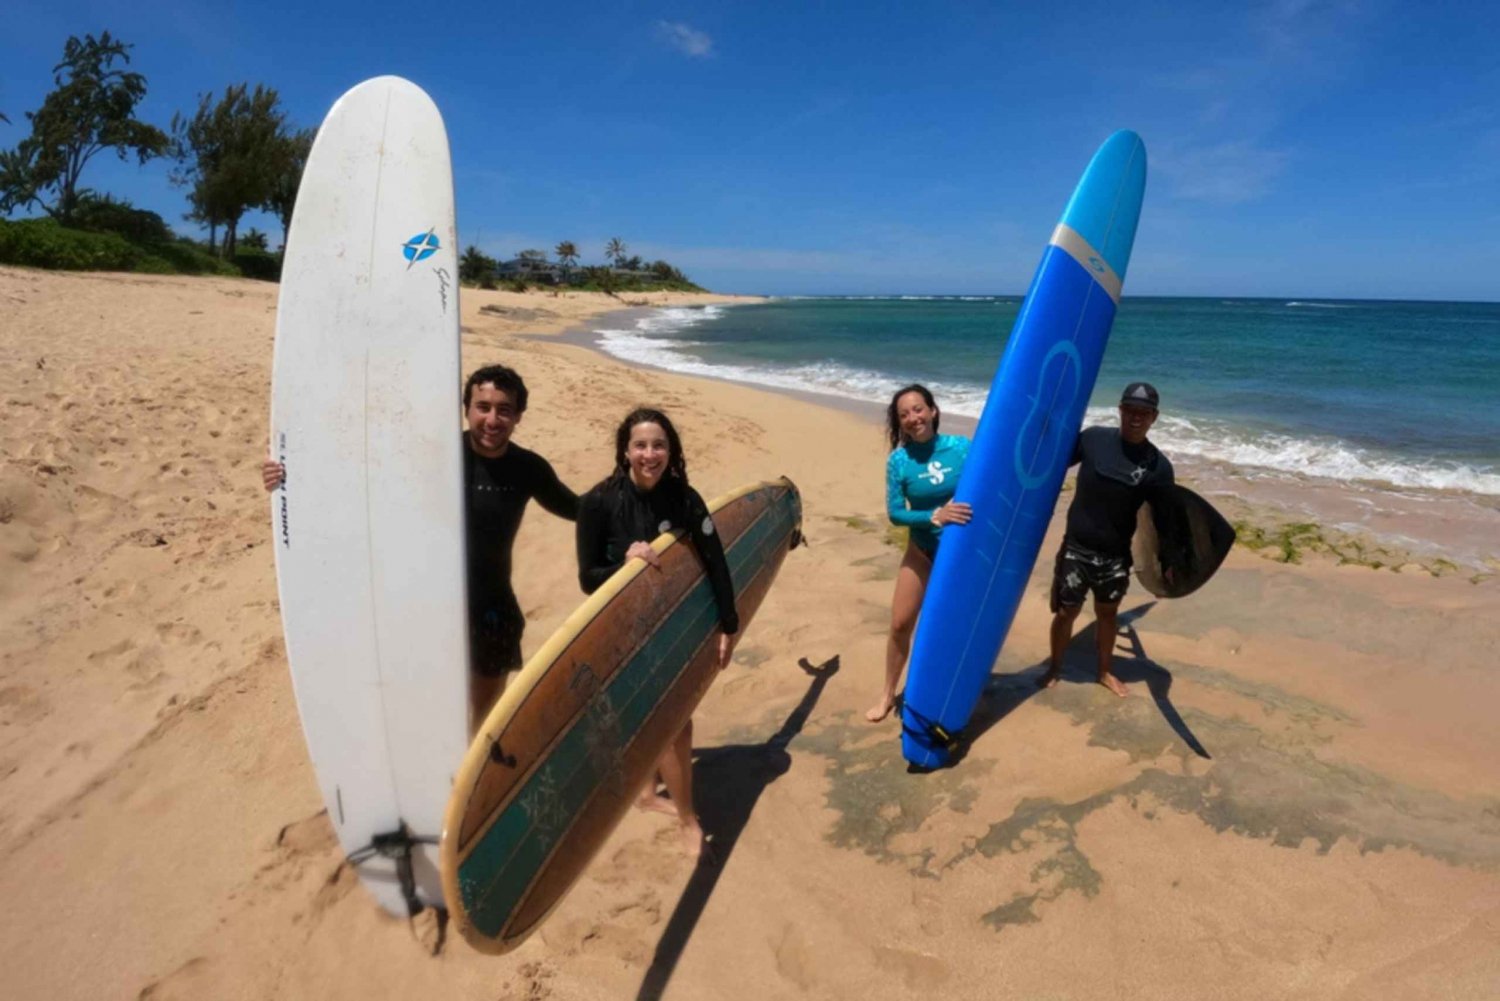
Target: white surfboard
point(369, 525)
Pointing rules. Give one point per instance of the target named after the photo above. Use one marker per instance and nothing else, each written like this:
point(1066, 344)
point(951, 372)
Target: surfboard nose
point(1106, 214)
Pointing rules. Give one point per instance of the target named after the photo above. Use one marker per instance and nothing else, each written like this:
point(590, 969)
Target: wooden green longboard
point(578, 733)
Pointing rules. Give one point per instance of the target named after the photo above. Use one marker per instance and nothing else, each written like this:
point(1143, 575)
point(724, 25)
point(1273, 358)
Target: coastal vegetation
point(533, 269)
point(92, 110)
point(236, 152)
point(233, 155)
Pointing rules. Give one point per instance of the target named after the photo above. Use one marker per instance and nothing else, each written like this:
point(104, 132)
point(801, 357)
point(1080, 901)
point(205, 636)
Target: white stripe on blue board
point(1068, 240)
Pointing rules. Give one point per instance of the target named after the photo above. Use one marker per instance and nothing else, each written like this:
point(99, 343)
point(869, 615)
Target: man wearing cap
point(1118, 471)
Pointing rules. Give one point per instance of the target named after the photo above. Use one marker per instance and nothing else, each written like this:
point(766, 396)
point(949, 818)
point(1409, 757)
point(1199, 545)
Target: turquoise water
point(1390, 394)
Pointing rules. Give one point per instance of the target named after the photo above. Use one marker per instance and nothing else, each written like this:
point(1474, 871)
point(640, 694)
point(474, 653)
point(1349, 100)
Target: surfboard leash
point(396, 845)
point(932, 731)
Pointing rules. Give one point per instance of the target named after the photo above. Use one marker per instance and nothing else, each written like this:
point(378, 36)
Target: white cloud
point(1226, 142)
point(1308, 31)
point(1228, 173)
point(685, 39)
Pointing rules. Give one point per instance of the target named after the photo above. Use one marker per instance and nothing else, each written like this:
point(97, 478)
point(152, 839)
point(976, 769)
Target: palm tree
point(475, 265)
point(567, 256)
point(615, 250)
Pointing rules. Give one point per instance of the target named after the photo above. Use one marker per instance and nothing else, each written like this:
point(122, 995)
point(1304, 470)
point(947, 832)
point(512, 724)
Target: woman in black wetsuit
point(646, 495)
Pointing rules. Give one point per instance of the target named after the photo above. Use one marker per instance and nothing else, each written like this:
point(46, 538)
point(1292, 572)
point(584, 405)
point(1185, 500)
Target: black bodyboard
point(1193, 541)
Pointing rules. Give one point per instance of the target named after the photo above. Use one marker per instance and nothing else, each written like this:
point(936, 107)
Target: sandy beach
point(1300, 798)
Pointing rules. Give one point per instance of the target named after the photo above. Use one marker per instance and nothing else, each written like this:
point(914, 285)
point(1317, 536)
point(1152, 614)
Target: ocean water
point(1379, 396)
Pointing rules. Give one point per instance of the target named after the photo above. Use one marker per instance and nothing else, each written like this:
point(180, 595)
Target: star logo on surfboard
point(420, 247)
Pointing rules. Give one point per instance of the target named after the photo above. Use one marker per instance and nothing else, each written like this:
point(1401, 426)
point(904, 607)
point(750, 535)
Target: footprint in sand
point(300, 844)
point(751, 656)
point(534, 983)
point(794, 958)
point(654, 862)
point(120, 589)
point(622, 932)
point(271, 649)
point(178, 632)
point(916, 970)
point(21, 704)
point(122, 647)
point(142, 664)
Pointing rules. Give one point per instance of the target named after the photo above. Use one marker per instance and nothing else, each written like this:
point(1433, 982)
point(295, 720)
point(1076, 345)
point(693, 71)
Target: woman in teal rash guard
point(920, 477)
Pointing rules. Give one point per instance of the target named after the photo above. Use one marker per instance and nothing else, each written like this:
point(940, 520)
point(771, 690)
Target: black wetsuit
point(1115, 478)
point(497, 491)
point(615, 514)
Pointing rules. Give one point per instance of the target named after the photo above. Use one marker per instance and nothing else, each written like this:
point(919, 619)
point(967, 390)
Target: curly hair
point(893, 419)
point(507, 380)
point(676, 462)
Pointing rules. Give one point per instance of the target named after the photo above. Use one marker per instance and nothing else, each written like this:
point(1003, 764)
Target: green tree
point(474, 265)
point(254, 240)
point(615, 250)
point(291, 160)
point(92, 109)
point(105, 214)
point(230, 152)
point(666, 273)
point(537, 256)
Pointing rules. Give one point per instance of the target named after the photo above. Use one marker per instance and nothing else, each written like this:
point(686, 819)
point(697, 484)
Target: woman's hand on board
point(952, 513)
point(643, 551)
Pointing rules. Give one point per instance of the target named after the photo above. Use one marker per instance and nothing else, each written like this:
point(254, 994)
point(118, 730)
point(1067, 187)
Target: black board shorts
point(495, 630)
point(1080, 571)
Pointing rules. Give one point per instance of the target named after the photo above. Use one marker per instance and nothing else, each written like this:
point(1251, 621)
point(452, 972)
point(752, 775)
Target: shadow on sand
point(1137, 666)
point(1003, 693)
point(727, 783)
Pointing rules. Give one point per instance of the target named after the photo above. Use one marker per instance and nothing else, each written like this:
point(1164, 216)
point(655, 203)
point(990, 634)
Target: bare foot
point(880, 710)
point(1113, 684)
point(1048, 680)
point(650, 799)
point(692, 838)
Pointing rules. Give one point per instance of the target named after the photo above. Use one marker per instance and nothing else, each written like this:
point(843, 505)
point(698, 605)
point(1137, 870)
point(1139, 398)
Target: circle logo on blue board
point(1039, 443)
point(421, 247)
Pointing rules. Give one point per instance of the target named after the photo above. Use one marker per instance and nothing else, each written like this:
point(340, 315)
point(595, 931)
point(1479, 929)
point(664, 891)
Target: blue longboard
point(1021, 450)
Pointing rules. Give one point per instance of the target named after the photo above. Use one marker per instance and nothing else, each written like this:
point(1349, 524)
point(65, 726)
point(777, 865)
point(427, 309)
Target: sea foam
point(663, 339)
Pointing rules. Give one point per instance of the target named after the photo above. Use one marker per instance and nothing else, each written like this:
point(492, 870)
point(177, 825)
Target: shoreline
point(1277, 513)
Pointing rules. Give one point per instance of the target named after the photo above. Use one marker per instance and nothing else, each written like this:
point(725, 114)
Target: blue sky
point(1298, 148)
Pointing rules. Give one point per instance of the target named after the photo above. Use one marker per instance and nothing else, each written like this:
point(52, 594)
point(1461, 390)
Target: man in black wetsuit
point(1119, 470)
point(500, 477)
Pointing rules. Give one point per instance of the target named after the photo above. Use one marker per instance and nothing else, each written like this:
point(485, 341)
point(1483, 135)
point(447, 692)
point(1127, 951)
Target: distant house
point(540, 272)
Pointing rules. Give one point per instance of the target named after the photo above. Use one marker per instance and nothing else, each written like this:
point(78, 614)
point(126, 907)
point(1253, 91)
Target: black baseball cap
point(1140, 394)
